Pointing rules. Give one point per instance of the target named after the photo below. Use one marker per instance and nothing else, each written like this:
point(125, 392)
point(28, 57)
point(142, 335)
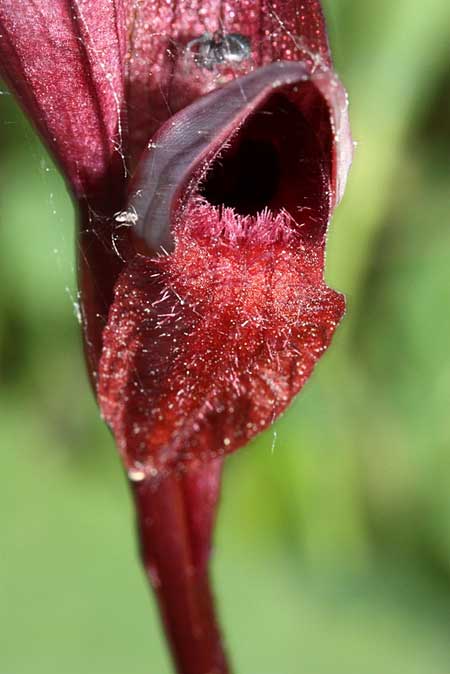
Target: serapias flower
point(220, 318)
point(206, 144)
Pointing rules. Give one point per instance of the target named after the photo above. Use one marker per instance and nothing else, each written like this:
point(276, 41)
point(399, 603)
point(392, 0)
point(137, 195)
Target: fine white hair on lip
point(263, 228)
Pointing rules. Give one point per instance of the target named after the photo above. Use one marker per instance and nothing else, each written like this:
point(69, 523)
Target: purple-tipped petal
point(65, 61)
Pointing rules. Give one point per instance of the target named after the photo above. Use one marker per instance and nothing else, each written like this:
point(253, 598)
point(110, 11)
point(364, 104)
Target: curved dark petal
point(162, 77)
point(64, 59)
point(184, 149)
point(206, 346)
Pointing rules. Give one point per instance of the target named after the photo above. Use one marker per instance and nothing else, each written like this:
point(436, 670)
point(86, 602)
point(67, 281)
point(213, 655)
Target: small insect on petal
point(214, 49)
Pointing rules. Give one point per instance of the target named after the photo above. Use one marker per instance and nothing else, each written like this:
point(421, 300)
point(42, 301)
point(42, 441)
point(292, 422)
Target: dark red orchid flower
point(206, 143)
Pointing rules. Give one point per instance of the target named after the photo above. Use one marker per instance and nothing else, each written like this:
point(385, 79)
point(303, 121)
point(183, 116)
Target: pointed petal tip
point(64, 60)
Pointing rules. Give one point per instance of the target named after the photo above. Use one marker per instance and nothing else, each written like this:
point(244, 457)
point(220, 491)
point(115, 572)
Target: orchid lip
point(181, 159)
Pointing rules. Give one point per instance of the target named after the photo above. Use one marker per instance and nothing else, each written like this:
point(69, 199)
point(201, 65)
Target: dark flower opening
point(246, 178)
point(278, 161)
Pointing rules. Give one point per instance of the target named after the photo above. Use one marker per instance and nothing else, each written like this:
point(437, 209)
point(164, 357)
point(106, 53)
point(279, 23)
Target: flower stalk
point(177, 567)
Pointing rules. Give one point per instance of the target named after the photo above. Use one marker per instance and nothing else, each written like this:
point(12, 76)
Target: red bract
point(207, 144)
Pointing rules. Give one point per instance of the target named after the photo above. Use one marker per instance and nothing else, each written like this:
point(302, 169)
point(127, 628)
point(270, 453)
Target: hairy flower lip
point(183, 151)
point(237, 331)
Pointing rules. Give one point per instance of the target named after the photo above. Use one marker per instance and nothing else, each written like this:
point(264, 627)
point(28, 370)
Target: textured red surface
point(206, 347)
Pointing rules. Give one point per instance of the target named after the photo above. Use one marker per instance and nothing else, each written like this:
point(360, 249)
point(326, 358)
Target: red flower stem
point(174, 548)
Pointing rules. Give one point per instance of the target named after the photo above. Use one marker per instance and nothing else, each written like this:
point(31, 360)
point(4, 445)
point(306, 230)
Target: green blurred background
point(333, 541)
